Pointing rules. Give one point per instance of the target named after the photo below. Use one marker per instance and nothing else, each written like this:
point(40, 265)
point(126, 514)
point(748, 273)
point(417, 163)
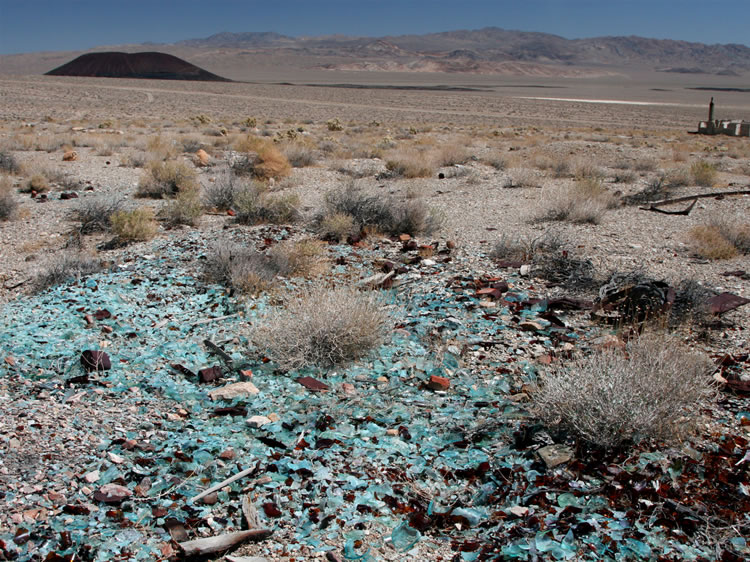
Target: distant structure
point(731, 127)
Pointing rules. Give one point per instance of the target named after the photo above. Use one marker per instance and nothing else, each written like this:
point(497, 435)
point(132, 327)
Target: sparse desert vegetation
point(394, 303)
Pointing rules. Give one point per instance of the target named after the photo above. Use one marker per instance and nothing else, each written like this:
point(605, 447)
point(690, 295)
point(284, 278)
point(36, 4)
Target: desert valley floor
point(525, 209)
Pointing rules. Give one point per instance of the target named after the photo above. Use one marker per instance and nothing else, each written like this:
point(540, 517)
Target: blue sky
point(41, 25)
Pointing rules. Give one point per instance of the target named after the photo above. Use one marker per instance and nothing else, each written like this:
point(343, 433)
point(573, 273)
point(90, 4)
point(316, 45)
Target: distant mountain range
point(242, 56)
point(467, 49)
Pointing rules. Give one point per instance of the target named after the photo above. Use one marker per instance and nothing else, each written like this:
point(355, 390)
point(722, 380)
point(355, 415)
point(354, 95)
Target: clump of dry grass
point(703, 173)
point(161, 148)
point(336, 227)
point(451, 155)
point(496, 161)
point(250, 271)
point(721, 238)
point(94, 213)
point(8, 203)
point(9, 163)
point(38, 182)
point(262, 160)
point(522, 177)
point(299, 258)
point(610, 398)
point(299, 154)
point(410, 164)
point(255, 204)
point(223, 191)
point(64, 268)
point(184, 209)
point(167, 179)
point(323, 327)
point(585, 201)
point(370, 211)
point(134, 226)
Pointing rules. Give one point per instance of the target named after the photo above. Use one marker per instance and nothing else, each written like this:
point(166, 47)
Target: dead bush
point(299, 258)
point(335, 227)
point(223, 191)
point(522, 177)
point(8, 203)
point(184, 209)
point(703, 173)
point(94, 213)
point(451, 155)
point(133, 160)
point(134, 226)
point(243, 269)
point(372, 211)
point(410, 164)
point(322, 327)
point(496, 161)
point(299, 154)
point(64, 268)
point(263, 161)
point(654, 390)
point(38, 182)
point(167, 179)
point(707, 241)
point(691, 303)
point(8, 163)
point(586, 201)
point(255, 205)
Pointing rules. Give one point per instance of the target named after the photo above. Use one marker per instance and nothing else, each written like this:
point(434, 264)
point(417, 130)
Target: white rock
point(233, 390)
point(258, 421)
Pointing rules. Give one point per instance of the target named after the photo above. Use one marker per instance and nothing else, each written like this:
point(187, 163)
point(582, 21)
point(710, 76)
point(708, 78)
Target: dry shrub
point(185, 209)
point(451, 155)
point(703, 173)
point(586, 170)
point(586, 201)
point(299, 154)
point(262, 160)
point(410, 164)
point(654, 391)
point(335, 227)
point(255, 205)
point(94, 213)
point(167, 179)
point(323, 327)
point(8, 203)
point(243, 269)
point(133, 160)
point(134, 226)
point(38, 182)
point(299, 258)
point(522, 177)
point(708, 242)
point(222, 192)
point(496, 161)
point(625, 176)
point(8, 163)
point(723, 238)
point(64, 268)
point(378, 213)
point(677, 177)
point(161, 148)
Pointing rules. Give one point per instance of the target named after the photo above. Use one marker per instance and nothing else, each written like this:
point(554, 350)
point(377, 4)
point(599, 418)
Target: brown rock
point(70, 156)
point(202, 158)
point(438, 383)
